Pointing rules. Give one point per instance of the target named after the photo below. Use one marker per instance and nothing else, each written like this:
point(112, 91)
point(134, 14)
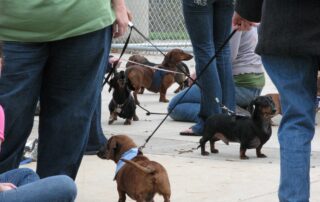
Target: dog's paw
point(164, 100)
point(110, 122)
point(205, 153)
point(127, 122)
point(215, 151)
point(244, 157)
point(261, 156)
point(135, 118)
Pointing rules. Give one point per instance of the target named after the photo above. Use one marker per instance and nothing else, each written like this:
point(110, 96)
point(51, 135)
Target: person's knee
point(68, 188)
point(27, 176)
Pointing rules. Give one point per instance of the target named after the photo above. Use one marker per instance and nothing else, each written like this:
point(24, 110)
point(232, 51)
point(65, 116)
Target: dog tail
point(147, 170)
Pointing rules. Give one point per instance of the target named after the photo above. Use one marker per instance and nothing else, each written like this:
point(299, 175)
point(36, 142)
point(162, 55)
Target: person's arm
point(249, 9)
point(123, 16)
point(247, 13)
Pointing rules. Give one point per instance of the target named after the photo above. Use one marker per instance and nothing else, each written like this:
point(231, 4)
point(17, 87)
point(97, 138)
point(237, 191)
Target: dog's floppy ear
point(272, 104)
point(167, 58)
point(112, 148)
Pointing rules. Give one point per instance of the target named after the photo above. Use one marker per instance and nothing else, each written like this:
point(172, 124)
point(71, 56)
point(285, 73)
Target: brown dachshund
point(156, 81)
point(138, 177)
point(180, 79)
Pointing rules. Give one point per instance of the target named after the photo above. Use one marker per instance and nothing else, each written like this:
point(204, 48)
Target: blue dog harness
point(156, 80)
point(128, 155)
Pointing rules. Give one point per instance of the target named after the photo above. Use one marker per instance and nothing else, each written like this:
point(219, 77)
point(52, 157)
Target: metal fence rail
point(161, 21)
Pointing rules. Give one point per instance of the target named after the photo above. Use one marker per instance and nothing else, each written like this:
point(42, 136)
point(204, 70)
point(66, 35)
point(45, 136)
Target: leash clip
point(130, 24)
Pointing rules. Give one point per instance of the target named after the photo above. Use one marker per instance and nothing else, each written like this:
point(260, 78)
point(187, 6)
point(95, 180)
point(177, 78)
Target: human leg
point(20, 85)
point(208, 27)
point(245, 95)
point(223, 11)
point(69, 96)
point(96, 136)
point(295, 79)
point(199, 23)
point(19, 176)
point(59, 188)
point(188, 107)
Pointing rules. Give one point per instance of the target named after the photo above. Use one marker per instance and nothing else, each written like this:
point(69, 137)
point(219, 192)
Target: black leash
point(206, 66)
point(148, 112)
point(114, 65)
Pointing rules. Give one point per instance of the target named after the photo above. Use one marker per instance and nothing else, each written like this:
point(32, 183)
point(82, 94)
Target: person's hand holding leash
point(123, 16)
point(240, 23)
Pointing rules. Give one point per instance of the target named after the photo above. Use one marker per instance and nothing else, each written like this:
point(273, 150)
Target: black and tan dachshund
point(122, 103)
point(250, 132)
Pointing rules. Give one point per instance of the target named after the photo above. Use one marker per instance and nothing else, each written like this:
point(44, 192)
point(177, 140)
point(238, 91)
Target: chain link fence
point(161, 21)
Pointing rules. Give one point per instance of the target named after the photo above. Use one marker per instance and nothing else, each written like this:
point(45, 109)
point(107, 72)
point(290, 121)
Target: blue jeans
point(188, 108)
point(67, 76)
point(30, 188)
point(296, 80)
point(244, 95)
point(96, 136)
point(208, 27)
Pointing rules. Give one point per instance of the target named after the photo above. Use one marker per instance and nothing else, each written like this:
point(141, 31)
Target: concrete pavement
point(219, 177)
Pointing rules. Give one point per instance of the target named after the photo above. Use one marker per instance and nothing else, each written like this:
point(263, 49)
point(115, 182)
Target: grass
point(168, 36)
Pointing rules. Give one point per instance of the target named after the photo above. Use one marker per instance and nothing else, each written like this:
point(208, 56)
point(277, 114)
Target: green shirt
point(50, 20)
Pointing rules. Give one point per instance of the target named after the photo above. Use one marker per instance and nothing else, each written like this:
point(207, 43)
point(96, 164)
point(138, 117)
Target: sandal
point(188, 132)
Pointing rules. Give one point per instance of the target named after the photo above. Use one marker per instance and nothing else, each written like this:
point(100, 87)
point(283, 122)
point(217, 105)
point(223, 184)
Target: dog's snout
point(102, 152)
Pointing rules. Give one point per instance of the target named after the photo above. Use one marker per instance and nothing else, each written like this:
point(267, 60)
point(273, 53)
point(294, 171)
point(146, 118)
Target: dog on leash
point(122, 103)
point(180, 79)
point(156, 81)
point(250, 132)
point(136, 175)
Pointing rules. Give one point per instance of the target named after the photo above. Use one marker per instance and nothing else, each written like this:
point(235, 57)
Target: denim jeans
point(96, 136)
point(31, 188)
point(245, 95)
point(208, 27)
point(67, 76)
point(296, 80)
point(188, 108)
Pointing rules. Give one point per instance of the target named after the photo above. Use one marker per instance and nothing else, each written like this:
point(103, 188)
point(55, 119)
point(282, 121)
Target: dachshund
point(136, 175)
point(122, 103)
point(250, 132)
point(180, 79)
point(156, 81)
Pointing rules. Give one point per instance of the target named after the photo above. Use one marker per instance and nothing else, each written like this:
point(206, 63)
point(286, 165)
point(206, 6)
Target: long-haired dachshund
point(122, 103)
point(156, 81)
point(250, 132)
point(136, 175)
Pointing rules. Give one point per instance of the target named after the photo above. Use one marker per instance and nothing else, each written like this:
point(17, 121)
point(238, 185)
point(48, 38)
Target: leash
point(148, 40)
point(151, 67)
point(217, 100)
point(114, 65)
point(149, 113)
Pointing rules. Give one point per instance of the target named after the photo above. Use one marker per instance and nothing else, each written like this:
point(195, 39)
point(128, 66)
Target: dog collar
point(128, 155)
